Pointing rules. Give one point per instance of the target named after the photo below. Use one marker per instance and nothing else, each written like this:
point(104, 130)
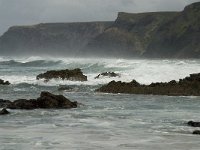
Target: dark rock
point(23, 104)
point(2, 82)
point(65, 88)
point(48, 100)
point(4, 103)
point(135, 83)
point(193, 124)
point(45, 101)
point(4, 112)
point(196, 132)
point(185, 87)
point(108, 74)
point(73, 75)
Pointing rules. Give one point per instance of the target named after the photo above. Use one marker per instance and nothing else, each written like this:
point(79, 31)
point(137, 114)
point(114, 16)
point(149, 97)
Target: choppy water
point(106, 121)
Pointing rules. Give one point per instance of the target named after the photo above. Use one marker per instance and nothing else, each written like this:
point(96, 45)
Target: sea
point(105, 121)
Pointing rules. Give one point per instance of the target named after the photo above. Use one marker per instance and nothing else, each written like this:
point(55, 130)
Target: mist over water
point(105, 121)
point(145, 71)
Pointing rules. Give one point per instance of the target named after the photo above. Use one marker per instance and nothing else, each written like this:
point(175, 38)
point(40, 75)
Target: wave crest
point(35, 63)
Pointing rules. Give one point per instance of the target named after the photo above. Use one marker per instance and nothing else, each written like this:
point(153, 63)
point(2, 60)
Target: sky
point(28, 12)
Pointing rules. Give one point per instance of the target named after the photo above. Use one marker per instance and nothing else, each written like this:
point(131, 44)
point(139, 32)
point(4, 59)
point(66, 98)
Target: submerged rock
point(193, 124)
point(65, 88)
point(2, 82)
point(4, 112)
point(184, 87)
point(107, 74)
point(45, 101)
point(196, 132)
point(73, 75)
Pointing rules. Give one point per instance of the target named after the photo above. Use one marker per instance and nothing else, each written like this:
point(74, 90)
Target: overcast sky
point(26, 12)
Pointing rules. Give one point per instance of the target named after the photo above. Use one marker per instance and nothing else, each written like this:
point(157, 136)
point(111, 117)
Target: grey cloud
point(23, 12)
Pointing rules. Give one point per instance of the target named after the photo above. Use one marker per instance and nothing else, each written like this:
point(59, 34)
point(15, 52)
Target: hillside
point(146, 35)
point(50, 38)
point(151, 35)
point(130, 35)
point(178, 38)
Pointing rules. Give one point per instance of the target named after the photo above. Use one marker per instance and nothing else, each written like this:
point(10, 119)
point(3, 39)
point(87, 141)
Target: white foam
point(143, 71)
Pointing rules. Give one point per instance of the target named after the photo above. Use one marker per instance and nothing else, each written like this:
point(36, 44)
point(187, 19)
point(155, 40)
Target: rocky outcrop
point(45, 101)
point(193, 124)
point(4, 112)
point(48, 100)
point(2, 82)
point(184, 87)
point(56, 39)
point(73, 75)
point(4, 103)
point(196, 132)
point(107, 74)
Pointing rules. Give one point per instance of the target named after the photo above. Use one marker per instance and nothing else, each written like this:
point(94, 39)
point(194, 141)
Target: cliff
point(154, 34)
point(147, 35)
point(179, 37)
point(130, 35)
point(50, 38)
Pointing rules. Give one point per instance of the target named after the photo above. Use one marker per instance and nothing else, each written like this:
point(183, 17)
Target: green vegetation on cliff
point(180, 37)
point(151, 35)
point(154, 34)
point(130, 34)
point(50, 38)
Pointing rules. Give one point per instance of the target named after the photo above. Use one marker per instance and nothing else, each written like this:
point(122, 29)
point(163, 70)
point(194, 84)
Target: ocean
point(104, 121)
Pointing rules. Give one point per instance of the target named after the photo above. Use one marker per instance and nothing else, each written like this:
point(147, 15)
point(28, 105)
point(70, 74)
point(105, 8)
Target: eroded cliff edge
point(147, 35)
point(152, 35)
point(50, 38)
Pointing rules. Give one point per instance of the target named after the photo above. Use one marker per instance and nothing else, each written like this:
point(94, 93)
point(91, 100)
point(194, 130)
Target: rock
point(45, 101)
point(4, 103)
point(193, 124)
point(65, 88)
point(196, 132)
point(2, 82)
point(48, 100)
point(23, 104)
point(108, 74)
point(4, 112)
point(73, 75)
point(184, 87)
point(119, 87)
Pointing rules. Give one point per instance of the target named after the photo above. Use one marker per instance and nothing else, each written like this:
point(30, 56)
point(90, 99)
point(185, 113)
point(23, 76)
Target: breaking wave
point(24, 70)
point(36, 63)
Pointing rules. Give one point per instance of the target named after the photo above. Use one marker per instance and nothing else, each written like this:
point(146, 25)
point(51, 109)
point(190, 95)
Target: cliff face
point(130, 35)
point(179, 37)
point(151, 35)
point(50, 38)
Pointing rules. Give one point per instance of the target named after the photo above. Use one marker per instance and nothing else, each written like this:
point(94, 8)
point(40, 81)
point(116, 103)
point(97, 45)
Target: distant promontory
point(143, 35)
